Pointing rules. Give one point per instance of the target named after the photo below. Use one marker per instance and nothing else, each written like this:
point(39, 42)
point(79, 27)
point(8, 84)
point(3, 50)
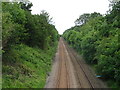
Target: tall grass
point(26, 67)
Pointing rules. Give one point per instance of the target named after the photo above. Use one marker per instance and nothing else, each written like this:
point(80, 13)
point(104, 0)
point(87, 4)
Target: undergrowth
point(26, 67)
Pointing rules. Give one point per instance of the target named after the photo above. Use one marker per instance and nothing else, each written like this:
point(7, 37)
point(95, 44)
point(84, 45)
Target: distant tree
point(85, 17)
point(95, 14)
point(82, 19)
point(26, 6)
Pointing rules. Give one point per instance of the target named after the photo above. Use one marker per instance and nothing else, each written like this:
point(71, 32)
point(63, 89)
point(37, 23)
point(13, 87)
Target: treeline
point(29, 44)
point(96, 37)
point(20, 26)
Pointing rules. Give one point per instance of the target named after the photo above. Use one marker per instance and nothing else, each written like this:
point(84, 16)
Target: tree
point(82, 19)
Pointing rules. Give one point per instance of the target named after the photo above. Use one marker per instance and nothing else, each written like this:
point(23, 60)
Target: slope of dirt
point(70, 71)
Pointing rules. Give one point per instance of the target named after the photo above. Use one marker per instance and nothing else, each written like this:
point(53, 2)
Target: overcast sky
point(65, 12)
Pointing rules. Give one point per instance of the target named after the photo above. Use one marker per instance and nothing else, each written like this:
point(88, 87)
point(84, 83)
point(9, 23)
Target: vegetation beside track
point(96, 38)
point(29, 45)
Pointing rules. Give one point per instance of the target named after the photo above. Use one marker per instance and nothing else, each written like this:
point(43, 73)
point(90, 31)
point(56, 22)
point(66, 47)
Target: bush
point(98, 41)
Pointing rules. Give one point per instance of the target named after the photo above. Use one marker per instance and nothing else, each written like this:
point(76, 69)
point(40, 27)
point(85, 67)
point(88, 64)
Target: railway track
point(63, 70)
point(79, 70)
point(70, 72)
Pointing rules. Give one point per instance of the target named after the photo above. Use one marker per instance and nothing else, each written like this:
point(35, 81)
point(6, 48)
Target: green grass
point(26, 67)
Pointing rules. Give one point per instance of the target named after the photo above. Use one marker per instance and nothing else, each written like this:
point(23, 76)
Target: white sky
point(65, 12)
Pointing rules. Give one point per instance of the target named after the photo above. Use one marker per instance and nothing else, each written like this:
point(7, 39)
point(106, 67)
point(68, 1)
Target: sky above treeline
point(65, 12)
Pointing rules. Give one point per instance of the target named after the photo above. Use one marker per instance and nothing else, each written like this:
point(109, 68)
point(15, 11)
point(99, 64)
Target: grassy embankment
point(24, 66)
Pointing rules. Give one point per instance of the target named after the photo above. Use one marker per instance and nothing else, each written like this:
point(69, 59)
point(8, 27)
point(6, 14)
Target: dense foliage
point(29, 43)
point(96, 37)
point(27, 67)
point(20, 26)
